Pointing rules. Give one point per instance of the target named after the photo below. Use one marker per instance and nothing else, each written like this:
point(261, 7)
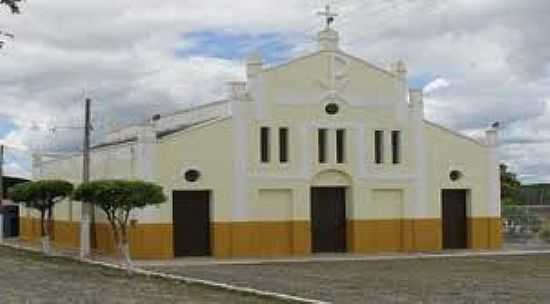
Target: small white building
point(325, 153)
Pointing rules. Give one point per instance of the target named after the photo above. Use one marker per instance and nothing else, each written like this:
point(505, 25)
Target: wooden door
point(328, 219)
point(191, 223)
point(453, 215)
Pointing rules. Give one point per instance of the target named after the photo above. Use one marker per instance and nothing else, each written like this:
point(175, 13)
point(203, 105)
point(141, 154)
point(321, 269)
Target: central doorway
point(453, 214)
point(328, 219)
point(191, 222)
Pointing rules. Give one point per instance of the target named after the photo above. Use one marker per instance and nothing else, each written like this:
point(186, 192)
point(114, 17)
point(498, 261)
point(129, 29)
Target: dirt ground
point(30, 278)
point(488, 279)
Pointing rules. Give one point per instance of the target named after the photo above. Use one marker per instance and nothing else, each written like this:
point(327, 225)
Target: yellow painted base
point(267, 239)
point(261, 239)
point(484, 233)
point(370, 236)
point(29, 229)
point(147, 241)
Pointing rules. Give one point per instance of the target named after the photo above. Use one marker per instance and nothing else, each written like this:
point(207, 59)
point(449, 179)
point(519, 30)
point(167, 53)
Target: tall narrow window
point(378, 146)
point(396, 146)
point(322, 136)
point(340, 146)
point(264, 144)
point(283, 145)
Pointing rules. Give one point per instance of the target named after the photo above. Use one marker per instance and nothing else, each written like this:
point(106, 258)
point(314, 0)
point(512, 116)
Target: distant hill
point(535, 194)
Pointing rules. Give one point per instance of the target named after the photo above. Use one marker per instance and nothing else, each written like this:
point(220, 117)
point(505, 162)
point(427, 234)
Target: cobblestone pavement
point(484, 279)
point(31, 278)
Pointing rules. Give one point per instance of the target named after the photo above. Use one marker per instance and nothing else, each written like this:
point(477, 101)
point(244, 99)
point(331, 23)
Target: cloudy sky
point(478, 62)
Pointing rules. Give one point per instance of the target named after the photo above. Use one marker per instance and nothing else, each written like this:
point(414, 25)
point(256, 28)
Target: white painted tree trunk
point(125, 254)
point(46, 248)
point(45, 240)
point(1, 228)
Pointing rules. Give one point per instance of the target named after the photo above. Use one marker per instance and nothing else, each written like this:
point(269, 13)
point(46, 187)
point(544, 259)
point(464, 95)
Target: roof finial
point(329, 16)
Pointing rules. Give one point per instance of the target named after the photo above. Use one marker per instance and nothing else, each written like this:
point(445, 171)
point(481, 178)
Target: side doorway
point(191, 223)
point(453, 217)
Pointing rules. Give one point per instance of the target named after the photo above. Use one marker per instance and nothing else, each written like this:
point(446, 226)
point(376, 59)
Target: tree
point(42, 196)
point(509, 184)
point(117, 198)
point(13, 6)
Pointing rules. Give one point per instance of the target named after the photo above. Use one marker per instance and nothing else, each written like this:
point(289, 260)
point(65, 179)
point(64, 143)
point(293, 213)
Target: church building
point(325, 153)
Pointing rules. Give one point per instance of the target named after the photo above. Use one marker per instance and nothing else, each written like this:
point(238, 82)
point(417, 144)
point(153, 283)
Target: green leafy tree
point(117, 198)
point(13, 6)
point(42, 196)
point(509, 184)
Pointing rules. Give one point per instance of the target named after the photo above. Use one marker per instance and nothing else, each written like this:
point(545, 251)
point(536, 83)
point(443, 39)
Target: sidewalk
point(339, 257)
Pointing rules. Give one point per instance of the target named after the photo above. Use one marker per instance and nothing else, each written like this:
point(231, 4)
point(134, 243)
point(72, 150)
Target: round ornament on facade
point(332, 108)
point(192, 175)
point(455, 175)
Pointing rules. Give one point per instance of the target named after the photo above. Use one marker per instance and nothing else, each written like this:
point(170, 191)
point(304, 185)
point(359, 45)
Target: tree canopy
point(13, 5)
point(117, 198)
point(509, 184)
point(42, 194)
point(112, 195)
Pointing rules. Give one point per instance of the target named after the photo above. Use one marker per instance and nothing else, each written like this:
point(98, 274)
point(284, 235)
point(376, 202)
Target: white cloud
point(436, 84)
point(493, 57)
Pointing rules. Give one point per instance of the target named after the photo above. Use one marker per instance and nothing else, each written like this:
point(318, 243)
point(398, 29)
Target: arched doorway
point(328, 211)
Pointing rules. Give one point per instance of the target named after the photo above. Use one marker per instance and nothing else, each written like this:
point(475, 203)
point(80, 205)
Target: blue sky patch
point(6, 126)
point(236, 46)
point(419, 81)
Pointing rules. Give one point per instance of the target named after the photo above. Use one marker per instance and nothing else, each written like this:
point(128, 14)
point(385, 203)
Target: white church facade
point(326, 153)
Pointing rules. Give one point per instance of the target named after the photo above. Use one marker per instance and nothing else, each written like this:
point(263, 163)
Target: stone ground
point(483, 279)
point(31, 278)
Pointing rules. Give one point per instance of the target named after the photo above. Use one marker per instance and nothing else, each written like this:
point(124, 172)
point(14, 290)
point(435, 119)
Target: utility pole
point(1, 174)
point(1, 192)
point(86, 209)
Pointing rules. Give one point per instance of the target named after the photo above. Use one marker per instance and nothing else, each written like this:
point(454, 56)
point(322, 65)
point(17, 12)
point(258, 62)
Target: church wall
point(451, 152)
point(207, 149)
point(263, 209)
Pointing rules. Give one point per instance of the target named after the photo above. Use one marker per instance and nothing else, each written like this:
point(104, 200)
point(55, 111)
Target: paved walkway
point(465, 278)
point(27, 277)
point(338, 257)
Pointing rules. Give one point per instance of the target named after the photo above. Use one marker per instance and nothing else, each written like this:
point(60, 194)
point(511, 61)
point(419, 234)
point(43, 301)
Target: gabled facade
point(326, 153)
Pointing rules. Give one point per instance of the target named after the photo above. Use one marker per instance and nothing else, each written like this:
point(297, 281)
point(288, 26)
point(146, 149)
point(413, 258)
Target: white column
point(146, 158)
point(360, 151)
point(308, 155)
point(240, 151)
point(400, 70)
point(387, 150)
point(331, 146)
point(255, 84)
point(420, 154)
point(493, 198)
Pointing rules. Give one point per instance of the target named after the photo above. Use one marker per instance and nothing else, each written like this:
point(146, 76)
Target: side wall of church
point(450, 152)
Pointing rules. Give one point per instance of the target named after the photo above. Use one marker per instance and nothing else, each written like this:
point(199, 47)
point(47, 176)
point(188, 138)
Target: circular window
point(192, 175)
point(332, 108)
point(455, 175)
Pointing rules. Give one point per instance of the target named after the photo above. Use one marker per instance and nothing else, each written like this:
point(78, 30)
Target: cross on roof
point(328, 15)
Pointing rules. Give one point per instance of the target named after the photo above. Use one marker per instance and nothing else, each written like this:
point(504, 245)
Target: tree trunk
point(120, 238)
point(45, 236)
point(124, 248)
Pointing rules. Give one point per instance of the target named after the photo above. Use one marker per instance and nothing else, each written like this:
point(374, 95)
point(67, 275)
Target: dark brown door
point(328, 219)
point(191, 218)
point(453, 215)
